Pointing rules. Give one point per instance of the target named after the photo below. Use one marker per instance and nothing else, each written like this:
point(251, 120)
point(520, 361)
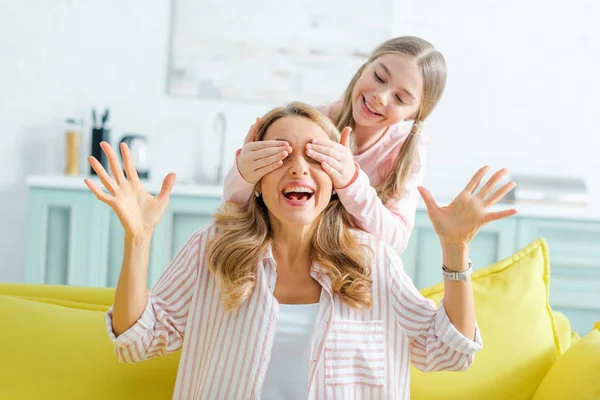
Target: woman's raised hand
point(138, 211)
point(458, 223)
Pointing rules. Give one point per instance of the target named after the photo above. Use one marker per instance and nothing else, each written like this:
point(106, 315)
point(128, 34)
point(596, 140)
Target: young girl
point(379, 163)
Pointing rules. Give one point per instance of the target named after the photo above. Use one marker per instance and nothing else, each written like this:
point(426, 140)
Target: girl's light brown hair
point(243, 235)
point(433, 70)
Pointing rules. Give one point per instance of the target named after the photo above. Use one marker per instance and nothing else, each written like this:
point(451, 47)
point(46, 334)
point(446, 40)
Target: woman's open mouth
point(297, 195)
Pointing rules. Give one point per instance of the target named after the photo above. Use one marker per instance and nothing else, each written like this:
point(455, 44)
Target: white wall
point(523, 84)
point(522, 92)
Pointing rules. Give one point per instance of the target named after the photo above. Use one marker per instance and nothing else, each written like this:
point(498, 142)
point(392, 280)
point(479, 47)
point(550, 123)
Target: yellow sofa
point(53, 344)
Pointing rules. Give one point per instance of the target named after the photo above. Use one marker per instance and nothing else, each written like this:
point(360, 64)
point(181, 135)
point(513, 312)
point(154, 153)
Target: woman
point(283, 298)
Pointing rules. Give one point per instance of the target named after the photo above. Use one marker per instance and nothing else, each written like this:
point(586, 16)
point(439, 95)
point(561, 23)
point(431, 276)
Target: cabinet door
point(574, 248)
point(423, 257)
point(184, 216)
point(58, 233)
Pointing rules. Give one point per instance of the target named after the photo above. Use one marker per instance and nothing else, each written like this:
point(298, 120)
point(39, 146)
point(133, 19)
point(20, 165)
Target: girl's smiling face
point(388, 91)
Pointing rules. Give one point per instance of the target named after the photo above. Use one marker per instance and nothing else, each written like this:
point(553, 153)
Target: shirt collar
point(268, 255)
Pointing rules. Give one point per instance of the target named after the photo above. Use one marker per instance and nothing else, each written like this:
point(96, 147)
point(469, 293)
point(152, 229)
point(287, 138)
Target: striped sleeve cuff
point(450, 336)
point(136, 331)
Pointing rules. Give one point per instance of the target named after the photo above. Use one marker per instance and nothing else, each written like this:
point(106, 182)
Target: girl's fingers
point(269, 168)
point(499, 194)
point(491, 183)
point(323, 158)
point(476, 180)
point(331, 149)
point(100, 194)
point(264, 144)
point(128, 163)
point(113, 162)
point(263, 162)
point(345, 138)
point(106, 180)
point(332, 172)
point(251, 136)
point(270, 152)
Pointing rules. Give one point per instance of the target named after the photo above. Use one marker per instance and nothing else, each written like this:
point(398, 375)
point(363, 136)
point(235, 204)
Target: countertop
point(152, 186)
point(530, 209)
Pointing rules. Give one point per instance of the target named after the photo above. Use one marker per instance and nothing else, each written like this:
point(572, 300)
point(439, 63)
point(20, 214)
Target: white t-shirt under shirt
point(287, 374)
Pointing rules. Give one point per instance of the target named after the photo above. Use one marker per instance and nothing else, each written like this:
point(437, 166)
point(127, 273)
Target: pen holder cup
point(99, 135)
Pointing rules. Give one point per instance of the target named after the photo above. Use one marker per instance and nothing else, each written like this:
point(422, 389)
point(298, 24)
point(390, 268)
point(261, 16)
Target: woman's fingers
point(490, 185)
point(106, 180)
point(499, 194)
point(113, 162)
point(428, 199)
point(476, 180)
point(495, 216)
point(167, 186)
point(128, 163)
point(100, 194)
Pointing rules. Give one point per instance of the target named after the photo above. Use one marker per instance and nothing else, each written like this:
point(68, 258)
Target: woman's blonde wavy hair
point(244, 234)
point(433, 70)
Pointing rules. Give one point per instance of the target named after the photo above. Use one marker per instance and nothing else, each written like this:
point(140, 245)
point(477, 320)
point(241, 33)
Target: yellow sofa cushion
point(576, 374)
point(563, 330)
point(53, 348)
point(78, 294)
point(520, 341)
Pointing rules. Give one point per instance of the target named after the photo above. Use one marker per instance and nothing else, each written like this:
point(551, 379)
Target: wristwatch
point(457, 275)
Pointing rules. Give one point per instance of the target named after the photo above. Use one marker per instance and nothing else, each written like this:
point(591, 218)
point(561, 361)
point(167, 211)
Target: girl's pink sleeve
point(391, 222)
point(235, 187)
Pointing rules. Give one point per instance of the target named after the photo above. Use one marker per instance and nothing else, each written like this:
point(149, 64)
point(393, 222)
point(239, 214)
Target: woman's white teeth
point(298, 189)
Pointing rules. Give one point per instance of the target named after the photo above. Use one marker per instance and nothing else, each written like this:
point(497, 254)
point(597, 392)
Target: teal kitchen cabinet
point(74, 239)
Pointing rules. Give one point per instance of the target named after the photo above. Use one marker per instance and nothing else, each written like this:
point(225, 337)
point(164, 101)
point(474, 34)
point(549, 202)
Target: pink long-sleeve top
point(393, 221)
point(355, 354)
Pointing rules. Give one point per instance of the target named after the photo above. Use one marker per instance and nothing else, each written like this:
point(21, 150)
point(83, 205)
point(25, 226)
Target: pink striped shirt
point(391, 222)
point(356, 354)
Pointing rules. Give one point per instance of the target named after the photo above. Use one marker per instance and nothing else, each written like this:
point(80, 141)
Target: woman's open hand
point(458, 223)
point(138, 211)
